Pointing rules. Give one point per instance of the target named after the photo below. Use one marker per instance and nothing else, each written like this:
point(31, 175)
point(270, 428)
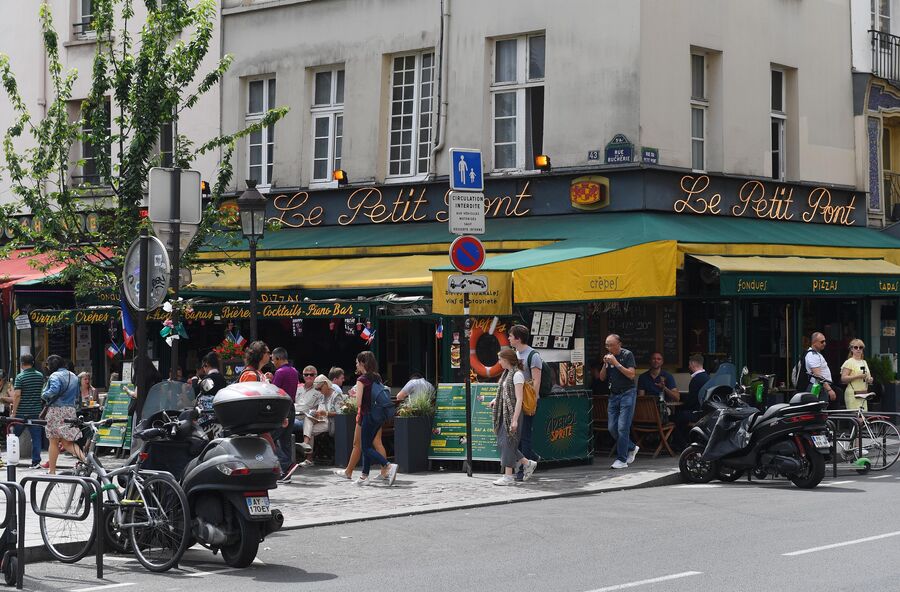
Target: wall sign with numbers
point(553, 330)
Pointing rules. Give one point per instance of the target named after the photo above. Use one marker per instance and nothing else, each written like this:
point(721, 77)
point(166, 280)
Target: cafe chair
point(647, 420)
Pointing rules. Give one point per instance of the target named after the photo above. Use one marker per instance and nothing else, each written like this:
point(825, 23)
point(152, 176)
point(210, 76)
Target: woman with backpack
point(507, 414)
point(369, 388)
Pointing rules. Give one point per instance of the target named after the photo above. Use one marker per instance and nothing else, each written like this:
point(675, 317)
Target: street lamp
point(252, 207)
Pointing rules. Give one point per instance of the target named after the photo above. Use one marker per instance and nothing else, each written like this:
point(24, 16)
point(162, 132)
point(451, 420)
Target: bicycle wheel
point(159, 522)
point(67, 540)
point(880, 444)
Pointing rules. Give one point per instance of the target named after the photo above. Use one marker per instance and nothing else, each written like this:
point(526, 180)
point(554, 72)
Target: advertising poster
point(117, 401)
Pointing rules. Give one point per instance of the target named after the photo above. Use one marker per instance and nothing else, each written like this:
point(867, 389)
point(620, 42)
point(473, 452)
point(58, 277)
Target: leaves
point(143, 75)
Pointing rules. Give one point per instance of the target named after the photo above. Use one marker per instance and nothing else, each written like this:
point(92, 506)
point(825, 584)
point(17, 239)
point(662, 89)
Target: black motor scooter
point(787, 439)
point(227, 479)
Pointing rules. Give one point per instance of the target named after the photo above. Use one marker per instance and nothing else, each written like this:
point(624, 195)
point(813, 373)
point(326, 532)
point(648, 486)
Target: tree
point(139, 82)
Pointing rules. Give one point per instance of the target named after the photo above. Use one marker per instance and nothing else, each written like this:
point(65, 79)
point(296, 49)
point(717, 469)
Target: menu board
point(645, 327)
point(553, 330)
point(117, 401)
point(448, 431)
point(670, 332)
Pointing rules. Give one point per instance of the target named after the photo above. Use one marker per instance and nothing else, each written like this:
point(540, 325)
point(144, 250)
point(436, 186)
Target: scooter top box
point(251, 407)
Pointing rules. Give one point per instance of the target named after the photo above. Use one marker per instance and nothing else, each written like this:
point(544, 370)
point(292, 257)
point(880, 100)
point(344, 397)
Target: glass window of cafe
point(883, 331)
point(645, 326)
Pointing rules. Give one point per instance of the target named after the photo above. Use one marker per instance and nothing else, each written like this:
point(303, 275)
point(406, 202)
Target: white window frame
point(699, 104)
point(778, 121)
point(878, 17)
point(81, 149)
point(333, 111)
point(519, 86)
point(83, 32)
point(422, 120)
point(264, 181)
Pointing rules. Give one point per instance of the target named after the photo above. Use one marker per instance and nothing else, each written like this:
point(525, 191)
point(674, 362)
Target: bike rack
point(15, 508)
point(835, 415)
point(91, 488)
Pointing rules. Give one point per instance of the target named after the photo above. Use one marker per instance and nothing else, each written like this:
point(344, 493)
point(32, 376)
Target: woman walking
point(367, 368)
point(855, 374)
point(507, 413)
point(60, 395)
point(256, 356)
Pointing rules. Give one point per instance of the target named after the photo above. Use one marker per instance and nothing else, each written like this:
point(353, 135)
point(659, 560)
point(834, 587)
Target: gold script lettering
point(692, 187)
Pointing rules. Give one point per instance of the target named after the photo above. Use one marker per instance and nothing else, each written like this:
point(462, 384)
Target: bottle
point(759, 393)
point(816, 389)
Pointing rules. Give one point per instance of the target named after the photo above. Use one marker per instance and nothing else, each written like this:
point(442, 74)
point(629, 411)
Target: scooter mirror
point(207, 385)
point(744, 372)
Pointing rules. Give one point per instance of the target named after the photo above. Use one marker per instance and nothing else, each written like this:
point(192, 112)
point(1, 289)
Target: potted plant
point(412, 434)
point(344, 426)
point(882, 370)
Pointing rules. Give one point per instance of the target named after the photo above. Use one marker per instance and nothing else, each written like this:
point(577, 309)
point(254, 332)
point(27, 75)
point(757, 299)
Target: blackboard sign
point(635, 323)
point(645, 327)
point(670, 333)
point(59, 341)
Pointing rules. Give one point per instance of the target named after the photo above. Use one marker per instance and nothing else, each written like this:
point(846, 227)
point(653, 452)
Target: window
point(84, 25)
point(517, 97)
point(699, 108)
point(881, 15)
point(412, 112)
point(327, 123)
point(90, 168)
point(261, 146)
point(778, 120)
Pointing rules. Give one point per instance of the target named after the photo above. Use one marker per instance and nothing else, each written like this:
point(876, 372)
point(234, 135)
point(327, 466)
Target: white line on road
point(844, 544)
point(833, 483)
point(700, 485)
point(882, 477)
point(104, 587)
point(200, 574)
point(684, 574)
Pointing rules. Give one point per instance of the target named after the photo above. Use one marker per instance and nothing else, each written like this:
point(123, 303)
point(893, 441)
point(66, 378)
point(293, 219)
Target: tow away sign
point(467, 284)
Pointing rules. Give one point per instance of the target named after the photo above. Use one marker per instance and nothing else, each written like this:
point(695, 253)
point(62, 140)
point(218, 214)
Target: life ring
point(476, 364)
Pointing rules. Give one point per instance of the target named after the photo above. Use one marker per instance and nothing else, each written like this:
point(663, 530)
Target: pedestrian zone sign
point(466, 170)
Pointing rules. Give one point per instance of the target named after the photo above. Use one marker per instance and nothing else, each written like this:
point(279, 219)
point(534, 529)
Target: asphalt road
point(844, 535)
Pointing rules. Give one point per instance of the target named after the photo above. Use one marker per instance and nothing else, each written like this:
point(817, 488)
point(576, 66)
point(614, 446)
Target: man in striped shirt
point(27, 404)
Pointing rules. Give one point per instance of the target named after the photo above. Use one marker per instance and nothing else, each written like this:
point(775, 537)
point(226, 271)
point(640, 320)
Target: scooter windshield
point(168, 395)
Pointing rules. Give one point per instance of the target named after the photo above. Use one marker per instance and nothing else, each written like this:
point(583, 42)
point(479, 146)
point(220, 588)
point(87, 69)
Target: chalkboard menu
point(645, 327)
point(59, 341)
point(669, 312)
point(635, 322)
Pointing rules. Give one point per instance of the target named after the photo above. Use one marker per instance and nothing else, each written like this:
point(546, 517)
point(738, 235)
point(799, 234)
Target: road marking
point(258, 561)
point(833, 483)
point(684, 574)
point(882, 477)
point(844, 544)
point(700, 485)
point(113, 558)
point(200, 574)
point(105, 587)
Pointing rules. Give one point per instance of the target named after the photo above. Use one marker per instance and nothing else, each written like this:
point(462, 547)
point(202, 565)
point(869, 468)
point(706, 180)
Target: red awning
point(19, 267)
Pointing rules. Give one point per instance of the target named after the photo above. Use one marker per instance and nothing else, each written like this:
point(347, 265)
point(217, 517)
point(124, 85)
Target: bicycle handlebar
point(78, 422)
point(19, 420)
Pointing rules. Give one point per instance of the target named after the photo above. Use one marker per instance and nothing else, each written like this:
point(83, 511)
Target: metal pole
point(140, 345)
point(465, 368)
point(175, 227)
point(252, 289)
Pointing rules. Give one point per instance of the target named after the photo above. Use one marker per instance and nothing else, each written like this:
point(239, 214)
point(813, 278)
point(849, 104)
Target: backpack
point(799, 375)
point(546, 385)
point(382, 409)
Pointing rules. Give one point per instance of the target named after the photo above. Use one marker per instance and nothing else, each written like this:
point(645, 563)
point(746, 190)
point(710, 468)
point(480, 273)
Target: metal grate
point(885, 55)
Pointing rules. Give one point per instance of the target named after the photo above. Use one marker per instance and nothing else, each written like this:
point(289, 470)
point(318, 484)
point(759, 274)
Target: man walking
point(817, 366)
point(27, 404)
point(531, 368)
point(618, 368)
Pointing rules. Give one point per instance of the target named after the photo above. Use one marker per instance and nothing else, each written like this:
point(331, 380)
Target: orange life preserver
point(476, 364)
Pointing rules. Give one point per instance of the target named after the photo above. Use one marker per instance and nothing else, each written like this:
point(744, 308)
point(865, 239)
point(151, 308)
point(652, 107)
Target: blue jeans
point(37, 440)
point(368, 429)
point(621, 412)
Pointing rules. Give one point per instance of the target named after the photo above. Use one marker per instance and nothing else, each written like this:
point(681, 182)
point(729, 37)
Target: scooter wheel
point(10, 569)
point(694, 470)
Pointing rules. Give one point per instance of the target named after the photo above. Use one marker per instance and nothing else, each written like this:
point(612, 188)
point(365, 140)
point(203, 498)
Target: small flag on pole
point(127, 326)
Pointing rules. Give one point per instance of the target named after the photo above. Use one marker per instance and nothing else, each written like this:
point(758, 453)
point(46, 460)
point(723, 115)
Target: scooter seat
point(865, 396)
point(773, 410)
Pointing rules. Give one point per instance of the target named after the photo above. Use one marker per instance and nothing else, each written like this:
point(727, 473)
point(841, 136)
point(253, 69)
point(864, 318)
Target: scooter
point(226, 480)
point(787, 439)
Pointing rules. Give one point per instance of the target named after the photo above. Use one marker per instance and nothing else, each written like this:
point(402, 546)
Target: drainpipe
point(441, 120)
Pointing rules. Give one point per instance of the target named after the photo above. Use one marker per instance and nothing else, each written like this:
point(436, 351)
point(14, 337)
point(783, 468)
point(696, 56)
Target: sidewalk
point(317, 497)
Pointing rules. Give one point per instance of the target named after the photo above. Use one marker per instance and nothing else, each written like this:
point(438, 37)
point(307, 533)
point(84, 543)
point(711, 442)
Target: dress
point(859, 385)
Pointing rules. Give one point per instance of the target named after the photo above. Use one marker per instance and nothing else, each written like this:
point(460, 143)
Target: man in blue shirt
point(618, 369)
point(657, 382)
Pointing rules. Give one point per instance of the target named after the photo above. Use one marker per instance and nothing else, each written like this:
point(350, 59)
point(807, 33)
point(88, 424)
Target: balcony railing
point(891, 194)
point(885, 55)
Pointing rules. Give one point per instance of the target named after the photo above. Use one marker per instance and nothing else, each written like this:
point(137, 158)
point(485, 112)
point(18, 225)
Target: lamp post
point(252, 207)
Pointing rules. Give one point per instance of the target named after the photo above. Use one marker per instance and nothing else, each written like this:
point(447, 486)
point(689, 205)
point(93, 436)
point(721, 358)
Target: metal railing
point(891, 192)
point(885, 55)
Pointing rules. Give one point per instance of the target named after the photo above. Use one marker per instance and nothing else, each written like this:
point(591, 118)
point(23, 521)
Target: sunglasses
point(305, 374)
point(861, 347)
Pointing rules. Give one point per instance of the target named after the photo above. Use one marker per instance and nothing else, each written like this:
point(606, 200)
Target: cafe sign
point(784, 284)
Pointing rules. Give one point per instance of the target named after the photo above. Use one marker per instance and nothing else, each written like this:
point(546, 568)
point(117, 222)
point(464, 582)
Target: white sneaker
point(529, 470)
point(341, 473)
point(362, 482)
point(392, 473)
point(505, 480)
point(304, 446)
point(633, 454)
point(307, 463)
point(619, 465)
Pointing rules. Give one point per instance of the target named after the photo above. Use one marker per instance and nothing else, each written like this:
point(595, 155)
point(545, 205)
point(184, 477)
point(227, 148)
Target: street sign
point(466, 212)
point(158, 284)
point(466, 170)
point(159, 202)
point(467, 254)
point(163, 231)
point(467, 284)
point(23, 322)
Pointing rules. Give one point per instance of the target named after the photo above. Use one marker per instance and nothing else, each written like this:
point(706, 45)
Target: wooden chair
point(600, 415)
point(648, 421)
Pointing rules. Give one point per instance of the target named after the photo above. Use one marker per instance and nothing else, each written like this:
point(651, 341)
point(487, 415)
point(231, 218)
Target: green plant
point(881, 368)
point(417, 407)
point(348, 407)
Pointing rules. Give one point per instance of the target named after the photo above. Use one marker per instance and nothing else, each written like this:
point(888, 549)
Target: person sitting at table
point(690, 410)
point(656, 381)
point(87, 391)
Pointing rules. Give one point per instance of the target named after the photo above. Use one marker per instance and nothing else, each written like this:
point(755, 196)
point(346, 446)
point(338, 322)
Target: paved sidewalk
point(317, 497)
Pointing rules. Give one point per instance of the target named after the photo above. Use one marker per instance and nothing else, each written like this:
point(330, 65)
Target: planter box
point(412, 437)
point(344, 426)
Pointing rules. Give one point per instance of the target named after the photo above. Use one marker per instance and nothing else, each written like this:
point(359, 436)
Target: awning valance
point(799, 276)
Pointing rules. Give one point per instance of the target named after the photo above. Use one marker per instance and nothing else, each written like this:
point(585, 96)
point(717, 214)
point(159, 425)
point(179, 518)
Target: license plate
point(258, 505)
point(821, 442)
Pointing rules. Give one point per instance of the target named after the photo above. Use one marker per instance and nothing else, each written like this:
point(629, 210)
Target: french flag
point(112, 350)
point(127, 326)
point(367, 335)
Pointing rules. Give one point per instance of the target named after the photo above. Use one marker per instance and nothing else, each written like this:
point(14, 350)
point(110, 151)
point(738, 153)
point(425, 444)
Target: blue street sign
point(466, 170)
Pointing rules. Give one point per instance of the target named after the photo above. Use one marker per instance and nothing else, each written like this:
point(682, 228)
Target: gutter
point(440, 125)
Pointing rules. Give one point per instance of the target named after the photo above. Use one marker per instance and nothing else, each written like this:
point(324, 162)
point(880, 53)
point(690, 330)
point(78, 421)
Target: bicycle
point(873, 442)
point(152, 510)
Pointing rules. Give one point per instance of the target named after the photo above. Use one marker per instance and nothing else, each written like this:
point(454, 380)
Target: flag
point(112, 350)
point(127, 326)
point(439, 330)
point(236, 338)
point(367, 335)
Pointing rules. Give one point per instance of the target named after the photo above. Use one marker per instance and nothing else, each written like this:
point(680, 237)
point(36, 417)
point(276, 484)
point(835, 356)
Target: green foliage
point(139, 82)
point(417, 407)
point(881, 368)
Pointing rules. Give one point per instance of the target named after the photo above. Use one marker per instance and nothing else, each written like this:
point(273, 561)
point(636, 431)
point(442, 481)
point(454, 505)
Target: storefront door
point(770, 336)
